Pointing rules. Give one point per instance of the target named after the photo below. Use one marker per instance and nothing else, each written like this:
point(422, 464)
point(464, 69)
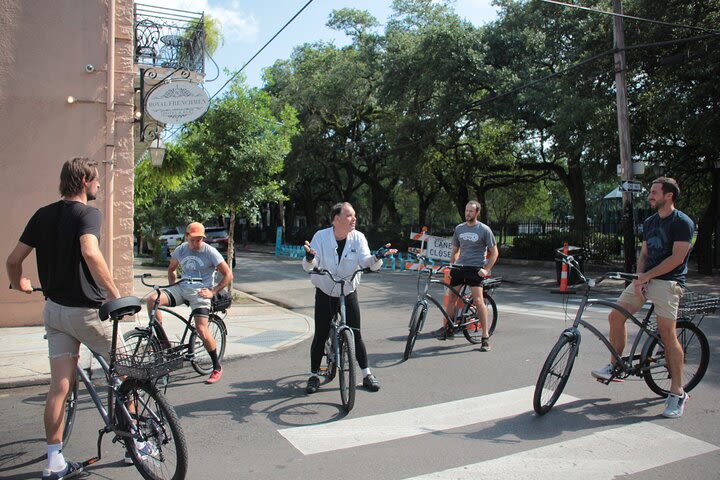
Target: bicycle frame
point(625, 363)
point(423, 297)
point(114, 382)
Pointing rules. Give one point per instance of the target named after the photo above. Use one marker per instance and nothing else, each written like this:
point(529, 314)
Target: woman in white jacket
point(341, 250)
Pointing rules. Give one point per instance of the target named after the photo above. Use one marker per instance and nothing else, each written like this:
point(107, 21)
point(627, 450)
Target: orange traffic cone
point(564, 275)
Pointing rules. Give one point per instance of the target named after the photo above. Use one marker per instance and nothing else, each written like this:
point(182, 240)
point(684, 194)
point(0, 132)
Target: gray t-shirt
point(198, 264)
point(473, 242)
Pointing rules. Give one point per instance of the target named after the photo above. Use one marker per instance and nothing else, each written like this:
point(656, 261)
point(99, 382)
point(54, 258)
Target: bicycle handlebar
point(570, 260)
point(323, 271)
point(157, 287)
point(34, 289)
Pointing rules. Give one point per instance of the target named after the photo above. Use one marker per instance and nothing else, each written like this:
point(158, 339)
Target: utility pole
point(624, 133)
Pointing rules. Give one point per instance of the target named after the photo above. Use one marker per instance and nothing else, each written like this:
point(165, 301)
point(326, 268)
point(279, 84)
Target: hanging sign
point(177, 102)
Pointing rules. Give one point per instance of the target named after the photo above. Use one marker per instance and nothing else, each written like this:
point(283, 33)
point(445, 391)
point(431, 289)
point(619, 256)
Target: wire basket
point(148, 364)
point(693, 303)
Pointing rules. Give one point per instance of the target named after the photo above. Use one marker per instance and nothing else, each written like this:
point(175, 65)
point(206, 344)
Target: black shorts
point(465, 275)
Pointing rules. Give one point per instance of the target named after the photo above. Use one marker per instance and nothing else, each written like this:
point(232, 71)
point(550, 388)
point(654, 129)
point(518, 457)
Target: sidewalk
point(254, 326)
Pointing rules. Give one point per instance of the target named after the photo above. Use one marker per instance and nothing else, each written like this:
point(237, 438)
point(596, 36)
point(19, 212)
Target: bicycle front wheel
point(472, 328)
point(417, 319)
point(347, 370)
point(70, 411)
point(201, 361)
point(696, 355)
point(158, 448)
point(554, 374)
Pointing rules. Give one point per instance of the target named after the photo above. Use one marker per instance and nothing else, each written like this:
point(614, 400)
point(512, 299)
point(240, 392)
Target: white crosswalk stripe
point(356, 432)
point(600, 456)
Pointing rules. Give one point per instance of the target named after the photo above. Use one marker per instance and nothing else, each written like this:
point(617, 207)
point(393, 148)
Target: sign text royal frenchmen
point(177, 102)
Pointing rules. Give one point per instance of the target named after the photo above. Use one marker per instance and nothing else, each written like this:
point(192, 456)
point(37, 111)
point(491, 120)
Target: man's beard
point(90, 195)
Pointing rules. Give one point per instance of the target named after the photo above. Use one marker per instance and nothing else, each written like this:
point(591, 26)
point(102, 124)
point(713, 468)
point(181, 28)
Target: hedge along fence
point(601, 243)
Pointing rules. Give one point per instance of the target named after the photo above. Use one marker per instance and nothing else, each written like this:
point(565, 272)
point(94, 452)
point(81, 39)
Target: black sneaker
point(313, 384)
point(445, 334)
point(485, 345)
point(72, 469)
point(371, 383)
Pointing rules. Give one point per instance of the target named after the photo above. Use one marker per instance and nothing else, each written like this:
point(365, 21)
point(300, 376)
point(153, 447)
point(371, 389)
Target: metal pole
point(624, 134)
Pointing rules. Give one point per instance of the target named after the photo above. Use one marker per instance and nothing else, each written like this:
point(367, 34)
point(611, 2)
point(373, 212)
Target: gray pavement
point(254, 325)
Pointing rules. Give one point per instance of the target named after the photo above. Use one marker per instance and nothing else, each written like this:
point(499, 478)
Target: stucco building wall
point(45, 46)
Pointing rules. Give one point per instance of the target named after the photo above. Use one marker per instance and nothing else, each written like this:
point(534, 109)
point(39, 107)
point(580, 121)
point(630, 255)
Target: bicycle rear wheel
point(554, 374)
point(417, 320)
point(70, 411)
point(472, 329)
point(158, 450)
point(696, 354)
point(347, 370)
point(201, 361)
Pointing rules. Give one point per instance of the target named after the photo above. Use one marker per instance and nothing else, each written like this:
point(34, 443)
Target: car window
point(170, 231)
point(216, 233)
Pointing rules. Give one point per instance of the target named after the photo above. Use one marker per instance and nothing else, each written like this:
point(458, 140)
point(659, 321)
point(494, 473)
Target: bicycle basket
point(150, 364)
point(693, 303)
point(221, 301)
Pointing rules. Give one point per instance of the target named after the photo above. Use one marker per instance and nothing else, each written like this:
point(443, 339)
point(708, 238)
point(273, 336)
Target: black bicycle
point(153, 337)
point(466, 319)
point(647, 362)
point(340, 345)
point(137, 413)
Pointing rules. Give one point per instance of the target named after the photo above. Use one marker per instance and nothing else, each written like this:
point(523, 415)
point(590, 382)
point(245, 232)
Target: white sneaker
point(606, 374)
point(675, 405)
point(144, 451)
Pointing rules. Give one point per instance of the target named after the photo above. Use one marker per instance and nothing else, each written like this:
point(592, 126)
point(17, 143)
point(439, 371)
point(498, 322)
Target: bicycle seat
point(120, 307)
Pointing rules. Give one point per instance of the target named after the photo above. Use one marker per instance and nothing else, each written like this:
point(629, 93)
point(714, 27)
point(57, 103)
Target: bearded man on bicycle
point(340, 249)
point(661, 269)
point(76, 281)
point(471, 240)
point(200, 260)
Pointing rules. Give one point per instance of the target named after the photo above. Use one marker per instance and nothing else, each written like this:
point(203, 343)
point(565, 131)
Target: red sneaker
point(215, 376)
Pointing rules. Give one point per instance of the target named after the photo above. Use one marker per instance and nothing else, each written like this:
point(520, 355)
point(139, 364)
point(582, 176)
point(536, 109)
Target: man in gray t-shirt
point(197, 260)
point(470, 243)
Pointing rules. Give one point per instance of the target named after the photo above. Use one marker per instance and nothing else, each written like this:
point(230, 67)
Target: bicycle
point(647, 363)
point(466, 319)
point(153, 336)
point(137, 413)
point(340, 345)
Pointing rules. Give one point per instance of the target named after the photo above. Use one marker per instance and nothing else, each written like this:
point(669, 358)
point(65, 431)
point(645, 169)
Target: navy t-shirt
point(54, 232)
point(660, 234)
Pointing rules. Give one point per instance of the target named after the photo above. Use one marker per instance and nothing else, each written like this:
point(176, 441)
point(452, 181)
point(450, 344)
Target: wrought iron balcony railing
point(169, 38)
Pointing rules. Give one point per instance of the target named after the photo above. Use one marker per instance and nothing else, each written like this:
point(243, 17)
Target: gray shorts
point(181, 293)
point(68, 327)
point(665, 294)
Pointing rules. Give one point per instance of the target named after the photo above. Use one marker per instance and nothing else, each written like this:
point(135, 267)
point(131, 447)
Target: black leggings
point(325, 309)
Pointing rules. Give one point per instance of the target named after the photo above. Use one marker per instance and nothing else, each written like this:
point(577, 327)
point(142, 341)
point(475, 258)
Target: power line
point(630, 17)
point(263, 48)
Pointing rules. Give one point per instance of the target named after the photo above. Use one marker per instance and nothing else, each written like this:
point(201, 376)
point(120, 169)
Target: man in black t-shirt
point(661, 269)
point(75, 280)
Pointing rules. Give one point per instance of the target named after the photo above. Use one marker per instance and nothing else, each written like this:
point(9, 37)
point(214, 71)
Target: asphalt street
point(450, 411)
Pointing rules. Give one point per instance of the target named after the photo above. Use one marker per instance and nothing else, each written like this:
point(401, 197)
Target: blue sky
point(248, 24)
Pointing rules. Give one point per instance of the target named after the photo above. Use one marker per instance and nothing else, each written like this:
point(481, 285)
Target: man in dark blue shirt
point(661, 273)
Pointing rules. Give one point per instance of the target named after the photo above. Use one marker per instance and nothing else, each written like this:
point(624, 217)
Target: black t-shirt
point(660, 234)
point(341, 247)
point(54, 232)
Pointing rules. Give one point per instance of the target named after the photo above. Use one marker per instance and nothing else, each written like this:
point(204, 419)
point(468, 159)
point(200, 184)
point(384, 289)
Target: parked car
point(217, 237)
point(171, 237)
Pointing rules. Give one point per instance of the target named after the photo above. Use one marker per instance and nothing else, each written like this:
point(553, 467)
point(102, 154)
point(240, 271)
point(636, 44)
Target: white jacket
point(355, 255)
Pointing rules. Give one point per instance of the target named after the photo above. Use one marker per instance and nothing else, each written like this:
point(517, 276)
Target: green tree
point(240, 144)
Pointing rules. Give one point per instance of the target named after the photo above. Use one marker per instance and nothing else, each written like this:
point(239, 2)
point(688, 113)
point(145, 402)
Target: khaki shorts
point(665, 294)
point(179, 294)
point(68, 327)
